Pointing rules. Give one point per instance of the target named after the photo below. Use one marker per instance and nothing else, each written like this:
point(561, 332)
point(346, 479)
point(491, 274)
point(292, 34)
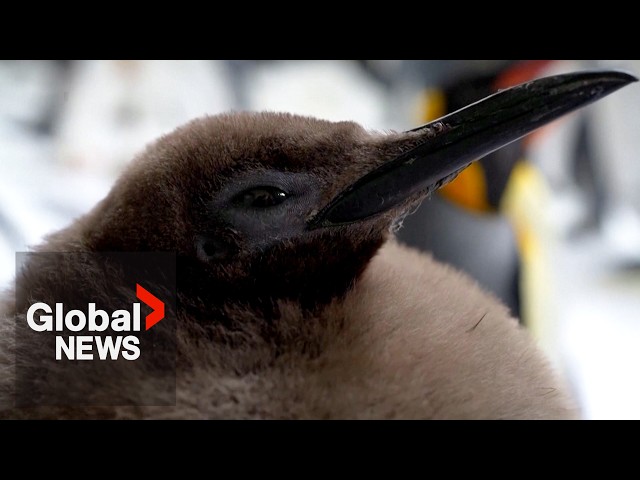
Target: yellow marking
point(432, 105)
point(469, 189)
point(525, 203)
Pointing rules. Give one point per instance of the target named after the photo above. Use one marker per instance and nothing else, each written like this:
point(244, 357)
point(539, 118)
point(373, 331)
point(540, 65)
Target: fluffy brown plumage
point(275, 321)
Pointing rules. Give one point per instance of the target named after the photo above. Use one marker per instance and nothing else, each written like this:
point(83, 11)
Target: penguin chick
point(293, 299)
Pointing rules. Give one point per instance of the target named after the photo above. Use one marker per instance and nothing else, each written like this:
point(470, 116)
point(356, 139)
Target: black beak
point(452, 142)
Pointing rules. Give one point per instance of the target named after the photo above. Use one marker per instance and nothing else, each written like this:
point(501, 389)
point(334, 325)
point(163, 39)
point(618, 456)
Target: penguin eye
point(260, 197)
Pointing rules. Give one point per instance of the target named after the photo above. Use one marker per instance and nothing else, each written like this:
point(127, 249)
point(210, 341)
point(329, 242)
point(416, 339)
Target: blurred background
point(550, 224)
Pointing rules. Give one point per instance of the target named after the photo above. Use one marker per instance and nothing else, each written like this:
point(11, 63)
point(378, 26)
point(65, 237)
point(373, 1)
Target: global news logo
point(95, 328)
point(124, 323)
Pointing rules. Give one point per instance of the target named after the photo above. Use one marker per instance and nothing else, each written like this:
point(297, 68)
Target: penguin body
point(413, 338)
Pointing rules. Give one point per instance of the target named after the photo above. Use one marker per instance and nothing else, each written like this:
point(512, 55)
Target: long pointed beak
point(452, 142)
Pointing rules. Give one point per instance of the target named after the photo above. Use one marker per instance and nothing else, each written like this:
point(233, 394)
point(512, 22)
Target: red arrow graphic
point(154, 302)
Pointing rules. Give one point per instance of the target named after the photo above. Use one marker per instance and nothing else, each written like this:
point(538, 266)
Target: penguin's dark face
point(267, 197)
point(271, 205)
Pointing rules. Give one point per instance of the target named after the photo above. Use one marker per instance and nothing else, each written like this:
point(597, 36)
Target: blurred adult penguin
point(487, 202)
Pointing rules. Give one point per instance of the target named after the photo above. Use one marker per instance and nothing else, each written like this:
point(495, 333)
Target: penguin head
point(234, 195)
point(266, 205)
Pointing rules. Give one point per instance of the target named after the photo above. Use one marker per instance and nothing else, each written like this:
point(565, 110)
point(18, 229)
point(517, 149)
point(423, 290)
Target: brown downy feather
point(338, 323)
point(412, 339)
